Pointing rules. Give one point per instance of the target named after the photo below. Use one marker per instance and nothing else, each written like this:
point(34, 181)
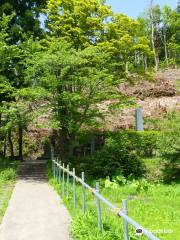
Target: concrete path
point(35, 213)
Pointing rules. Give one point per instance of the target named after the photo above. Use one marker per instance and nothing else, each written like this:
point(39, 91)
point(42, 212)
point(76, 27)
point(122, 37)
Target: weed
point(154, 206)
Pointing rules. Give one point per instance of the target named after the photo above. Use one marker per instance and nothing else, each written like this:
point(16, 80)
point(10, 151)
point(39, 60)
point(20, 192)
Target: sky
point(133, 8)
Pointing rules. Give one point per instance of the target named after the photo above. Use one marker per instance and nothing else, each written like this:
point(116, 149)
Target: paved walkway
point(35, 213)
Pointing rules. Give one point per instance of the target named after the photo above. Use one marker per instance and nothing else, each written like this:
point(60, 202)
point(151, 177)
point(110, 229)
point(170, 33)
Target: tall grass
point(154, 206)
point(7, 182)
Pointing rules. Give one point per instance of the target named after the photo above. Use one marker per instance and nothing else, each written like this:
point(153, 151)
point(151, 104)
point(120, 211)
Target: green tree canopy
point(78, 21)
point(25, 19)
point(77, 81)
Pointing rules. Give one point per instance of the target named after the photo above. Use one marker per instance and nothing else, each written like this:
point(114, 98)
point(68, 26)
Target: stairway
point(33, 170)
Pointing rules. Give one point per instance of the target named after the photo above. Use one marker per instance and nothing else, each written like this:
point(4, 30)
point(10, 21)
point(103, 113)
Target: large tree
point(16, 100)
point(122, 39)
point(78, 21)
point(161, 26)
point(77, 81)
point(26, 17)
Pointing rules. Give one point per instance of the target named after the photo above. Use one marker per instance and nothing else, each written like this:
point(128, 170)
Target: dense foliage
point(25, 20)
point(121, 154)
point(7, 181)
point(59, 61)
point(79, 80)
point(65, 57)
point(169, 146)
point(150, 204)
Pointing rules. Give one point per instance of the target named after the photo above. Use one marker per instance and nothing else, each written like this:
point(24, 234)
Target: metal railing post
point(121, 213)
point(74, 187)
point(60, 172)
point(67, 193)
point(83, 194)
point(52, 164)
point(124, 209)
point(52, 167)
point(52, 152)
point(98, 207)
point(63, 181)
point(56, 168)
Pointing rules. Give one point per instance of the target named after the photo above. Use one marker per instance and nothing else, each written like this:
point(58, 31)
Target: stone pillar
point(139, 119)
point(92, 144)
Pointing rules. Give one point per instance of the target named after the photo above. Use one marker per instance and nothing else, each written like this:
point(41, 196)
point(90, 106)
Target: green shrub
point(154, 168)
point(8, 174)
point(144, 143)
point(122, 153)
point(114, 156)
point(136, 186)
point(169, 146)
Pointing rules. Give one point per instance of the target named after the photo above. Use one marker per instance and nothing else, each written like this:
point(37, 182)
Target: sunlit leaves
point(78, 21)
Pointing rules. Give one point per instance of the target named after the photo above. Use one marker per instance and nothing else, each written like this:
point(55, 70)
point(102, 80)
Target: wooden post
point(98, 208)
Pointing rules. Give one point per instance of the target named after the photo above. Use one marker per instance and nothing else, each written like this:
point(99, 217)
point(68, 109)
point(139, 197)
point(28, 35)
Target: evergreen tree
point(26, 17)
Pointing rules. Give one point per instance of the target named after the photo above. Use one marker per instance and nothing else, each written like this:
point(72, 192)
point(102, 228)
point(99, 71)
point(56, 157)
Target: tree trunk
point(64, 144)
point(1, 138)
point(0, 119)
point(153, 37)
point(5, 146)
point(127, 67)
point(165, 50)
point(11, 144)
point(20, 142)
point(135, 60)
point(145, 63)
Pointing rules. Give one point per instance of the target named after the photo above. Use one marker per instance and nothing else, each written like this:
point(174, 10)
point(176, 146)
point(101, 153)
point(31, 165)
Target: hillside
point(156, 98)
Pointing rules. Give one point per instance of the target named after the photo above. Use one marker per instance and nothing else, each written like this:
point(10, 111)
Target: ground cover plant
point(61, 62)
point(7, 182)
point(154, 205)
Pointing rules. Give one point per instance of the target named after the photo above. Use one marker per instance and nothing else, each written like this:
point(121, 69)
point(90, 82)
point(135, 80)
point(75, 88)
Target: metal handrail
point(118, 212)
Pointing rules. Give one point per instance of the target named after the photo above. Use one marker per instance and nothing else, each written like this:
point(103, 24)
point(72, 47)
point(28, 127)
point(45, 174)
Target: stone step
point(34, 175)
point(33, 170)
point(34, 179)
point(32, 167)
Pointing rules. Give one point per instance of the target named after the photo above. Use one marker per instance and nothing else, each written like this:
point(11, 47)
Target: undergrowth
point(154, 206)
point(7, 182)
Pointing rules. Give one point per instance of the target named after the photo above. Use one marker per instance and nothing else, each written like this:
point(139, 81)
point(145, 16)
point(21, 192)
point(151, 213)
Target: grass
point(155, 206)
point(154, 168)
point(7, 182)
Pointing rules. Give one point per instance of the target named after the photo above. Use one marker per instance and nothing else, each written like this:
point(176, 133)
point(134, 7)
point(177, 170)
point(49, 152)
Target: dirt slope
point(156, 98)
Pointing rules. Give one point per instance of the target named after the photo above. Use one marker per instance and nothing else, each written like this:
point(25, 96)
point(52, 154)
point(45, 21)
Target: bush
point(143, 143)
point(8, 174)
point(118, 154)
point(169, 146)
point(122, 153)
point(7, 169)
